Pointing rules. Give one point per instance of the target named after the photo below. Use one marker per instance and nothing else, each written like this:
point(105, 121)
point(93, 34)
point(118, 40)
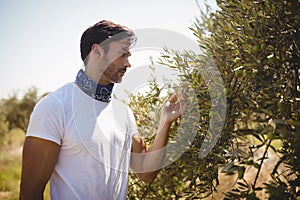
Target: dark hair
point(101, 33)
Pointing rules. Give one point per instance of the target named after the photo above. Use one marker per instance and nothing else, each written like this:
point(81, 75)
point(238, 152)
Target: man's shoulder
point(64, 90)
point(63, 93)
point(59, 96)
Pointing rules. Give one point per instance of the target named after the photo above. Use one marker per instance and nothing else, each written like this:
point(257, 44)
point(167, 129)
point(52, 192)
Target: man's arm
point(146, 163)
point(38, 161)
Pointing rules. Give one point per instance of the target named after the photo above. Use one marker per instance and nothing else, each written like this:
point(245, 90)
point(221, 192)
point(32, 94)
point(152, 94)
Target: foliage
point(3, 124)
point(15, 112)
point(187, 176)
point(255, 46)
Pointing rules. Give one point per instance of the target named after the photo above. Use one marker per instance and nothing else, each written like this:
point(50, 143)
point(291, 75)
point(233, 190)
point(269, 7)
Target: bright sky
point(40, 39)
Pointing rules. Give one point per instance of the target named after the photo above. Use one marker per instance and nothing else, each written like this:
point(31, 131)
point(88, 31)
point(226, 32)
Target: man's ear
point(97, 50)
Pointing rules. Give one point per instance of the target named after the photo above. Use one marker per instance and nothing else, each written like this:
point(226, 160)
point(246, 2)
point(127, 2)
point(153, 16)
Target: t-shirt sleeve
point(47, 120)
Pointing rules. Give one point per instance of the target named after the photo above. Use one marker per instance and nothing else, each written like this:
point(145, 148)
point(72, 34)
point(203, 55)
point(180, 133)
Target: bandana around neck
point(91, 88)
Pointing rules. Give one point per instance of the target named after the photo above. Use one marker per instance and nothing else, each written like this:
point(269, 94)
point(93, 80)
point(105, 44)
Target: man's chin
point(119, 81)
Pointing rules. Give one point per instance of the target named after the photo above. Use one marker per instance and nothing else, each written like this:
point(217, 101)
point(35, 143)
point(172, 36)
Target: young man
point(77, 139)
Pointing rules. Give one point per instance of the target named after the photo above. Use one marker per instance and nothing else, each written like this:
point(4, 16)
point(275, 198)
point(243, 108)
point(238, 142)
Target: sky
point(40, 39)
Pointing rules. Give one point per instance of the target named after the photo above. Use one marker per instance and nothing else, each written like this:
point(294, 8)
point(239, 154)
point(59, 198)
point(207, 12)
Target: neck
point(96, 75)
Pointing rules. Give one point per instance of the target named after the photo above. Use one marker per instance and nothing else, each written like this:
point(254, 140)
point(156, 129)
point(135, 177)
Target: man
point(77, 139)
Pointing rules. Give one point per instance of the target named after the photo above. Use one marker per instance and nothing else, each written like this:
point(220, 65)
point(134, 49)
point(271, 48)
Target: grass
point(10, 165)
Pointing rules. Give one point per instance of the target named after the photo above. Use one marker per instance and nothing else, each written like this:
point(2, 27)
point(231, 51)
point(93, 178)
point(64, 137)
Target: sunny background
point(40, 39)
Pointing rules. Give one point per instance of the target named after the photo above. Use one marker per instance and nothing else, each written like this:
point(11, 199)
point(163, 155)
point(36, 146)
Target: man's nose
point(126, 62)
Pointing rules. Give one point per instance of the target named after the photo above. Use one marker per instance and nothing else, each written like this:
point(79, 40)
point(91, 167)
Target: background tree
point(255, 45)
point(3, 125)
point(16, 111)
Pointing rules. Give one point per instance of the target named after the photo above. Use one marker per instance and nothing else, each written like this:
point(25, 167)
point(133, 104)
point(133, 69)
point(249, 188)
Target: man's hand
point(174, 108)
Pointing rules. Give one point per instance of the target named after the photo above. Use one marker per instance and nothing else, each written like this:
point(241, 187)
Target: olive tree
point(255, 46)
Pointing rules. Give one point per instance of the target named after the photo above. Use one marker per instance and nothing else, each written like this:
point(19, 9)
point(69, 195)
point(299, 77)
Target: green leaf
point(241, 172)
point(256, 165)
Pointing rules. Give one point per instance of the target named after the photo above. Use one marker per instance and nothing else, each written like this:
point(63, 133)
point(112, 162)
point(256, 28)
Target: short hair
point(102, 33)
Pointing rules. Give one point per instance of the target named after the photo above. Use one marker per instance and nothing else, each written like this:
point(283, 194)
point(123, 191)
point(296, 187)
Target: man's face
point(116, 60)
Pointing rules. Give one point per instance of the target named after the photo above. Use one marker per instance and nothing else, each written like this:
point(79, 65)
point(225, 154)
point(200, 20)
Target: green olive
point(227, 91)
point(245, 73)
point(255, 48)
point(263, 46)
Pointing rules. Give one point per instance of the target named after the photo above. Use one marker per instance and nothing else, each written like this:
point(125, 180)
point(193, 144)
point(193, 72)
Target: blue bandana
point(91, 88)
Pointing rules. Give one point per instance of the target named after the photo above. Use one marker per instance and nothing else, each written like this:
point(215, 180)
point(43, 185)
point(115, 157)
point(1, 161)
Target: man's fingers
point(173, 98)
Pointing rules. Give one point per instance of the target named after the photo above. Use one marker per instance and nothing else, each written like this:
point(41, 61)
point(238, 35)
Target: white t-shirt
point(95, 143)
